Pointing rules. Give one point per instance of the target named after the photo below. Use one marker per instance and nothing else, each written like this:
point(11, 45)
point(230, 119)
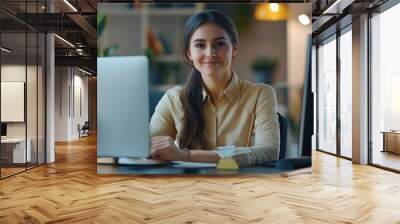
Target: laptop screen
point(123, 107)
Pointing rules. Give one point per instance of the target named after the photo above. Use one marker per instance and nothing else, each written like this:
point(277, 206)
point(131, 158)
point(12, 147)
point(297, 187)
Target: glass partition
point(22, 77)
point(14, 151)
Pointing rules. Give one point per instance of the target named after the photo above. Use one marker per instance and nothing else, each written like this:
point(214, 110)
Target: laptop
point(123, 111)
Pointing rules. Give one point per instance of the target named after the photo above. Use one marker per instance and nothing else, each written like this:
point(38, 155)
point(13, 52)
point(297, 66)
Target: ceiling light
point(71, 6)
point(65, 41)
point(84, 71)
point(304, 19)
point(5, 50)
point(274, 7)
point(43, 7)
point(271, 12)
point(337, 7)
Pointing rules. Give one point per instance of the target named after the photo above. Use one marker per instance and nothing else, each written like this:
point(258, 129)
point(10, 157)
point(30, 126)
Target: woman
point(214, 108)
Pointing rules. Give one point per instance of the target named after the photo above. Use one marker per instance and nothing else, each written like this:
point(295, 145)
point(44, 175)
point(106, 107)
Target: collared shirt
point(245, 115)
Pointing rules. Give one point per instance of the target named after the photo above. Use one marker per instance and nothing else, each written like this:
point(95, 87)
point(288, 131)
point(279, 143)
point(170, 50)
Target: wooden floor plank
point(70, 191)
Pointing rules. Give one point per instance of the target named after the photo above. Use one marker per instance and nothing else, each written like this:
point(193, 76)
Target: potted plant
point(263, 68)
point(101, 25)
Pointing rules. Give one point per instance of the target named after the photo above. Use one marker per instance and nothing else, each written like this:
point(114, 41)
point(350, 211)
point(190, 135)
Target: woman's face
point(211, 50)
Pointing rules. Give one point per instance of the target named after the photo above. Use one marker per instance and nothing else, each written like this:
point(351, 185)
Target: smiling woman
point(215, 108)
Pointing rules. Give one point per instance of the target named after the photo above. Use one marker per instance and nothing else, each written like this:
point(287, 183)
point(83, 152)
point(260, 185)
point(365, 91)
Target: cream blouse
point(245, 115)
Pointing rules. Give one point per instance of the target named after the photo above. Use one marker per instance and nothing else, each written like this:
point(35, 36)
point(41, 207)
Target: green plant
point(264, 63)
point(242, 16)
point(101, 25)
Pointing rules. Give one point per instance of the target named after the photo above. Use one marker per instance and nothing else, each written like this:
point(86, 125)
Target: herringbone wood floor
point(70, 191)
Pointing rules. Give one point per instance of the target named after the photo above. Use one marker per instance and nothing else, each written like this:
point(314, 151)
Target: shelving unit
point(165, 24)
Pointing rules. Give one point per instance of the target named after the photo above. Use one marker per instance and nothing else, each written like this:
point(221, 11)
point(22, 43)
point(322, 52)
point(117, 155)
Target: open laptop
point(123, 111)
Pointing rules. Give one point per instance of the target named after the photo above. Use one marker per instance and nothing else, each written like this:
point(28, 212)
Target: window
point(327, 96)
point(385, 88)
point(346, 93)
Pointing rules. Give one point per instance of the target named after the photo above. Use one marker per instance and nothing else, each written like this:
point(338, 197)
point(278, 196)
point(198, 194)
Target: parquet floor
point(9, 171)
point(70, 191)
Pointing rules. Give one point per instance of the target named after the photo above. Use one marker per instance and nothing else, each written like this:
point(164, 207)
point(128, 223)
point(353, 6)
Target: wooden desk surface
point(168, 170)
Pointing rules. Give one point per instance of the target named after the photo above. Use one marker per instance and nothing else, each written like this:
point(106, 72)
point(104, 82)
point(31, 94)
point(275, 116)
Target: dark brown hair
point(191, 95)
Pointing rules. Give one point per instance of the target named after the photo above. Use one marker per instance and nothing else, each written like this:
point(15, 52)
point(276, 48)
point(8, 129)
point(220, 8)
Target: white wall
point(262, 39)
point(68, 83)
point(62, 81)
point(80, 83)
point(33, 126)
point(15, 72)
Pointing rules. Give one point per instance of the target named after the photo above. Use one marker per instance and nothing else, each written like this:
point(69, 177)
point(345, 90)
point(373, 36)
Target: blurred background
point(272, 46)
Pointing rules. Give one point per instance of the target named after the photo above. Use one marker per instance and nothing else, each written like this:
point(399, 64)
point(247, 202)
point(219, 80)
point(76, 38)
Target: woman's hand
point(163, 148)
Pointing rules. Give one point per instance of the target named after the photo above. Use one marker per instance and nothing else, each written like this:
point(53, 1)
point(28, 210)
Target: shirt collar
point(231, 92)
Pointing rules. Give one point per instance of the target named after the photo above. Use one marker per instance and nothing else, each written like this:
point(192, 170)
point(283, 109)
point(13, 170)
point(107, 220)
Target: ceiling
point(77, 26)
point(331, 15)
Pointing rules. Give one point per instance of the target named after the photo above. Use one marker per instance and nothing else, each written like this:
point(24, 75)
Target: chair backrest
point(86, 125)
point(283, 123)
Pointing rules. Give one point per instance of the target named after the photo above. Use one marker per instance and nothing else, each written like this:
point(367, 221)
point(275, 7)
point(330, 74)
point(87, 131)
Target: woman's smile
point(212, 63)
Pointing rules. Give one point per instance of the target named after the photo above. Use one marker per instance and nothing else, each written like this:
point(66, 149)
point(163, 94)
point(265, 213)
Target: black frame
point(29, 29)
point(340, 30)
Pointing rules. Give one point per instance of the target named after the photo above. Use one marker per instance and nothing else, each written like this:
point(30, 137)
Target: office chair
point(288, 163)
point(84, 130)
point(155, 97)
point(283, 123)
point(283, 162)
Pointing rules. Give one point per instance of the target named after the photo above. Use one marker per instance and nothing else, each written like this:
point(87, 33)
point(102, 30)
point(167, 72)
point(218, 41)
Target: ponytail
point(193, 120)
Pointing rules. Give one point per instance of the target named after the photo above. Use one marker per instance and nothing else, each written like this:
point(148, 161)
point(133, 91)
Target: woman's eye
point(199, 45)
point(221, 44)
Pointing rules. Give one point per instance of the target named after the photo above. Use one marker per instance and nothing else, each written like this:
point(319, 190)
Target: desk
point(13, 150)
point(173, 169)
point(391, 141)
point(283, 165)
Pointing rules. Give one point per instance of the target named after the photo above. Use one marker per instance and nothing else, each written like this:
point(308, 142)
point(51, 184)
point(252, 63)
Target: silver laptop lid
point(123, 107)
